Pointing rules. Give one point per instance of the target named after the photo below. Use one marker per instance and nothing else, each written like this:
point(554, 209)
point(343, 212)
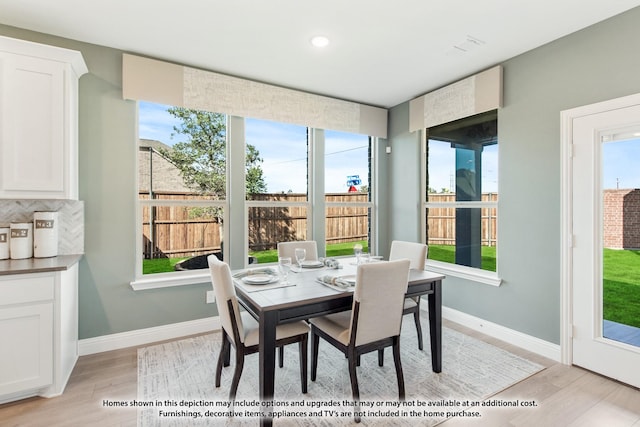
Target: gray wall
point(108, 173)
point(589, 66)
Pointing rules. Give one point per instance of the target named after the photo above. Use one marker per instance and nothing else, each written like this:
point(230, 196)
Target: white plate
point(311, 264)
point(259, 279)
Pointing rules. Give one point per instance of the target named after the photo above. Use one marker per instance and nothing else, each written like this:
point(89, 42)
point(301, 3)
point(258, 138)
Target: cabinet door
point(26, 358)
point(32, 143)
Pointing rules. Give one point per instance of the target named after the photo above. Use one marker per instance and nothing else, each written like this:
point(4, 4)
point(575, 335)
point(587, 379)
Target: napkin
point(332, 263)
point(336, 281)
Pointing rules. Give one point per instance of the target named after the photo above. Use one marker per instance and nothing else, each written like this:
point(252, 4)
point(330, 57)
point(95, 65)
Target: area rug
point(176, 384)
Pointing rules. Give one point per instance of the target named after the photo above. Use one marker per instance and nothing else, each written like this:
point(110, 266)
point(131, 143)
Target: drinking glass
point(357, 250)
point(284, 265)
point(301, 254)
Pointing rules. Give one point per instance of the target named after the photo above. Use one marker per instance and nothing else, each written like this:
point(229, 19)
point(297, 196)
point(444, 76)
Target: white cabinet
point(38, 333)
point(38, 120)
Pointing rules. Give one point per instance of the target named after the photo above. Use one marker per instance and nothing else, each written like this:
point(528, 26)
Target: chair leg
point(381, 357)
point(223, 352)
point(281, 355)
point(416, 319)
point(227, 354)
point(315, 341)
point(303, 346)
point(354, 385)
point(396, 360)
point(236, 375)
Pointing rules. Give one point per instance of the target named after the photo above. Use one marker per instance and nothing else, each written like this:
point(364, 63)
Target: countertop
point(37, 265)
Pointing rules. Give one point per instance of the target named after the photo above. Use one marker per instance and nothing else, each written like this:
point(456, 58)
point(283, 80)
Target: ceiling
point(381, 53)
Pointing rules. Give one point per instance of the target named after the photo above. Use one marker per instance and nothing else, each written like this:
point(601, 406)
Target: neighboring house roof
point(166, 176)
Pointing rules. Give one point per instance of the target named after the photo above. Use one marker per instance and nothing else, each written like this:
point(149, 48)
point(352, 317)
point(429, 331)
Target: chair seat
point(336, 325)
point(410, 303)
point(251, 329)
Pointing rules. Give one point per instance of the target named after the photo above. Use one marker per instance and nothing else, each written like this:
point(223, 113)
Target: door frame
point(566, 212)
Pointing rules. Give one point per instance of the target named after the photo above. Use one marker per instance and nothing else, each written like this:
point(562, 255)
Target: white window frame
point(372, 204)
point(268, 204)
point(174, 278)
point(449, 269)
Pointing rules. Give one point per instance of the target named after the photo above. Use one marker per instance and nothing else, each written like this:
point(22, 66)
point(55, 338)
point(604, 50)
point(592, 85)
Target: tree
point(201, 159)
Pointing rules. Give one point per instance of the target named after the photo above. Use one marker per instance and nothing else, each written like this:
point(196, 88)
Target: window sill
point(166, 280)
point(463, 272)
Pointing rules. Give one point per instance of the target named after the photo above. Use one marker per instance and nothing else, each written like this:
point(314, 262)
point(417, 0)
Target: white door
point(605, 163)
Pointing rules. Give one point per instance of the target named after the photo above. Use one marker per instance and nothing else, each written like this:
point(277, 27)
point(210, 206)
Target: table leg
point(267, 357)
point(435, 325)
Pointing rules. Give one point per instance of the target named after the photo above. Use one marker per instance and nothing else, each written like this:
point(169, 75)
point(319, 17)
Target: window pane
point(621, 235)
point(346, 179)
point(462, 167)
point(181, 157)
point(346, 224)
point(270, 225)
point(276, 158)
point(181, 151)
point(443, 246)
point(347, 163)
point(171, 234)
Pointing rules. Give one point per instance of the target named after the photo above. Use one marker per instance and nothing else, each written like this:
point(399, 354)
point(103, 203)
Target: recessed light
point(319, 41)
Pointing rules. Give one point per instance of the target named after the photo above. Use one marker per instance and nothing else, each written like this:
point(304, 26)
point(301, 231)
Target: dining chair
point(288, 249)
point(416, 253)
point(240, 330)
point(373, 323)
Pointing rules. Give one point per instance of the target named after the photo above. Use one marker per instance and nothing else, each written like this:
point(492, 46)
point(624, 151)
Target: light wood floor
point(565, 395)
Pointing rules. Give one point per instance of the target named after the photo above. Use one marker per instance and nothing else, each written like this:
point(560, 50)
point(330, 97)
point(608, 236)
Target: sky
point(620, 164)
point(283, 148)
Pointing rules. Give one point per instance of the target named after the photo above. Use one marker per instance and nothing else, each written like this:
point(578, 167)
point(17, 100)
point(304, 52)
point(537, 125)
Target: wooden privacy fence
point(183, 231)
point(180, 231)
point(441, 221)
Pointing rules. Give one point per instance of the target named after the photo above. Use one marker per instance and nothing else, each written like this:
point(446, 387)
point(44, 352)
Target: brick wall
point(622, 219)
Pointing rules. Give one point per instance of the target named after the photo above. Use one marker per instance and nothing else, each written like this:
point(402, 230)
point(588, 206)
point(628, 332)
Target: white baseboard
point(528, 342)
point(177, 330)
point(147, 336)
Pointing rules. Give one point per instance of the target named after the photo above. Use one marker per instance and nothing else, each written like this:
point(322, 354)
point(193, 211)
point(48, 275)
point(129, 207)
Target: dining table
point(304, 294)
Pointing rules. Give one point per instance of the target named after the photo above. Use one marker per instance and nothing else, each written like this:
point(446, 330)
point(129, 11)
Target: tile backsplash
point(70, 217)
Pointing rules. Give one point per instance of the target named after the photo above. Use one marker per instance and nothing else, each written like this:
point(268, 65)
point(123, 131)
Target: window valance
point(473, 95)
point(152, 80)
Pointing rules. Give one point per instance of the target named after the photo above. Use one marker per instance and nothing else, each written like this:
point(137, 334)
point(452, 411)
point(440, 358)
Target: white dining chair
point(416, 253)
point(288, 249)
point(373, 323)
point(240, 330)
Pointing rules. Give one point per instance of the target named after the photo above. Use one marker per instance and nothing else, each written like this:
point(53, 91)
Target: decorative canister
point(45, 234)
point(4, 242)
point(21, 240)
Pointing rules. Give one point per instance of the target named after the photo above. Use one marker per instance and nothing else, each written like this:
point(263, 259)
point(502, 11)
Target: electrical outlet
point(211, 297)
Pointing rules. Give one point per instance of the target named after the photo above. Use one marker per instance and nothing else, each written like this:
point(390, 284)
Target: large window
point(461, 202)
point(347, 185)
point(190, 165)
point(277, 186)
point(182, 185)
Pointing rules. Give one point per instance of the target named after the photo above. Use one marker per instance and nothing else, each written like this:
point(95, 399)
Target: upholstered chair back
point(288, 249)
point(224, 290)
point(416, 253)
point(380, 290)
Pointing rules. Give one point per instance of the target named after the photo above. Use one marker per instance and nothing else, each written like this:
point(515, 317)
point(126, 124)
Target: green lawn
point(621, 290)
point(447, 253)
point(163, 265)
